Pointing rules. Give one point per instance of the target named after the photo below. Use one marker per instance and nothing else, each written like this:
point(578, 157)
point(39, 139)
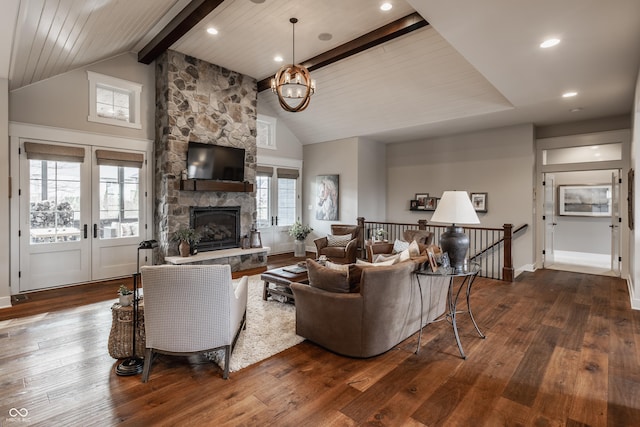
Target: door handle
point(276, 220)
point(95, 231)
point(272, 221)
point(85, 230)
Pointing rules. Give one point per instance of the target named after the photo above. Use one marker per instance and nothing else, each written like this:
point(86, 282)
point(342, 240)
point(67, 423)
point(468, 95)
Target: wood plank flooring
point(562, 349)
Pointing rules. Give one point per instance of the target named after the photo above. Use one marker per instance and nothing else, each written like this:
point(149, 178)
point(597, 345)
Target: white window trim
point(135, 89)
point(271, 124)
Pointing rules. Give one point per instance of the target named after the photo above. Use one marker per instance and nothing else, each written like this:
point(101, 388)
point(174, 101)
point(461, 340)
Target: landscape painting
point(584, 200)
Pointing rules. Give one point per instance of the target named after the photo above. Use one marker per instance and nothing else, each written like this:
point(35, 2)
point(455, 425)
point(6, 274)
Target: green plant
point(299, 231)
point(188, 235)
point(380, 233)
point(123, 290)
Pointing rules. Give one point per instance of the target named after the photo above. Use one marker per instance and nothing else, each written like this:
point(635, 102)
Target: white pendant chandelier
point(293, 84)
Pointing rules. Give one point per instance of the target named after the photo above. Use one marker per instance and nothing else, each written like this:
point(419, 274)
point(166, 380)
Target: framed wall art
point(421, 199)
point(479, 201)
point(328, 195)
point(584, 200)
point(431, 203)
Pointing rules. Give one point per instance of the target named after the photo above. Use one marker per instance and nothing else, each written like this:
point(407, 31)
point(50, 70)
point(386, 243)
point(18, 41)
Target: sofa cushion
point(328, 279)
point(353, 274)
point(338, 241)
point(334, 251)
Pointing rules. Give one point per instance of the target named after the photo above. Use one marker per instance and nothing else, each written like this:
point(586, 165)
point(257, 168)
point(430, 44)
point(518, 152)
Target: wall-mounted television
point(208, 161)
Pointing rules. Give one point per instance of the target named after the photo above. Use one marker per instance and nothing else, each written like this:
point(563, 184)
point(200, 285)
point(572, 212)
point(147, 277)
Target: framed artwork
point(328, 195)
point(432, 260)
point(584, 200)
point(479, 201)
point(413, 205)
point(421, 199)
point(431, 203)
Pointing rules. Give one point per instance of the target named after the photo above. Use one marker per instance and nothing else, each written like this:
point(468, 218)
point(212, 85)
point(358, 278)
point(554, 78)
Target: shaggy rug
point(271, 327)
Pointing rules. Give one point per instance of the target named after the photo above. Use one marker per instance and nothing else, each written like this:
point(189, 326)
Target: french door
point(277, 206)
point(81, 212)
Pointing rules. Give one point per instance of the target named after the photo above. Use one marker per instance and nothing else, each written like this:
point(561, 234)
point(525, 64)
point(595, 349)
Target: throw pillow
point(404, 255)
point(353, 274)
point(326, 278)
point(339, 240)
point(399, 246)
point(414, 249)
point(383, 258)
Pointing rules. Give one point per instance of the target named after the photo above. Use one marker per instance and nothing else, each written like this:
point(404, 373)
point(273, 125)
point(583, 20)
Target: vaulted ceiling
point(475, 65)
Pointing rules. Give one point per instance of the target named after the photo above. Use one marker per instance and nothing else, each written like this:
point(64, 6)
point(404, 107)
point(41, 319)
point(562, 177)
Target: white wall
point(372, 180)
point(499, 162)
point(63, 101)
point(634, 241)
point(5, 285)
point(329, 158)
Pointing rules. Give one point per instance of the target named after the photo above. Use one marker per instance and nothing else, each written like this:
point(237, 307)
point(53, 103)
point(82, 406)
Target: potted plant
point(186, 237)
point(299, 232)
point(125, 295)
point(379, 234)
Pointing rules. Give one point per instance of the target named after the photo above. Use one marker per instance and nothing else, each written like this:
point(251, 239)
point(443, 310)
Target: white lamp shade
point(455, 207)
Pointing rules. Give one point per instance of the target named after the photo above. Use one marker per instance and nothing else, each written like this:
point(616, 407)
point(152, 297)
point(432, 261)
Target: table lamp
point(455, 207)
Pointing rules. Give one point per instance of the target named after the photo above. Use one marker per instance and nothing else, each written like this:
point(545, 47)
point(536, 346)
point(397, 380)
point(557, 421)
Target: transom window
point(114, 101)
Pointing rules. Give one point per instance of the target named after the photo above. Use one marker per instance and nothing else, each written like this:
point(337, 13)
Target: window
point(114, 101)
point(276, 196)
point(266, 132)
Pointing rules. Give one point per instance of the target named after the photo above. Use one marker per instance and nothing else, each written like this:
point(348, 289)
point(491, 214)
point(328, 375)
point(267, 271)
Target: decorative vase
point(184, 248)
point(298, 249)
point(126, 300)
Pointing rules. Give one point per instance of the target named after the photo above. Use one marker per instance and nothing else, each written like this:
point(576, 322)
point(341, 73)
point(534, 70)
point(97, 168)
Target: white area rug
point(271, 328)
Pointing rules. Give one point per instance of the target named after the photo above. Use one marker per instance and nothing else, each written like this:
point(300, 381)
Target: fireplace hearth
point(218, 226)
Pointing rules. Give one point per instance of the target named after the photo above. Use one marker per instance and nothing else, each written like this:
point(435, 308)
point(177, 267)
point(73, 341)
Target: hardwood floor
point(562, 349)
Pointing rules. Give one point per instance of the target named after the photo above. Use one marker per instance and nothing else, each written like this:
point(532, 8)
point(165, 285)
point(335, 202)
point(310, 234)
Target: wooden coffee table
point(282, 278)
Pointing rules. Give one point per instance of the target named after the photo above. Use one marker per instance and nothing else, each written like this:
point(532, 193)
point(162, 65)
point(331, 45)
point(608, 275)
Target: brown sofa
point(384, 312)
point(340, 254)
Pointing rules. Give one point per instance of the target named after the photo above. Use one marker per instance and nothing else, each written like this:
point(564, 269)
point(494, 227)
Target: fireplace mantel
point(212, 185)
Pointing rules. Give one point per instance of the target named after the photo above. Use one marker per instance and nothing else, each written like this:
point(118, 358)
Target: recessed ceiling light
point(257, 1)
point(569, 94)
point(278, 58)
point(549, 43)
point(575, 110)
point(325, 36)
point(212, 31)
point(386, 6)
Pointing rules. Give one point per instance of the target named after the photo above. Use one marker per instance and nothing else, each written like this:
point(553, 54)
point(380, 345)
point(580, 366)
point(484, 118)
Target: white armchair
point(191, 309)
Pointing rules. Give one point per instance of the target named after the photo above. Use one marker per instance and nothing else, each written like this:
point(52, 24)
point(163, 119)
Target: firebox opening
point(218, 226)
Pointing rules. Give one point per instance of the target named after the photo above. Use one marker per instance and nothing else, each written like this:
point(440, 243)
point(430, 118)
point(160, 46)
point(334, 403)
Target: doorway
point(581, 180)
point(80, 212)
point(581, 211)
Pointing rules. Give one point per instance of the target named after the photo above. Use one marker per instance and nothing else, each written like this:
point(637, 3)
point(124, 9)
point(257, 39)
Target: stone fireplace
point(200, 102)
point(218, 227)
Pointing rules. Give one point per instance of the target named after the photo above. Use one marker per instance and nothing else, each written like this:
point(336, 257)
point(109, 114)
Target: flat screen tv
point(208, 161)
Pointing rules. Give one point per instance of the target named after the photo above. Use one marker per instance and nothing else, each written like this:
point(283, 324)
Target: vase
point(184, 248)
point(126, 300)
point(299, 249)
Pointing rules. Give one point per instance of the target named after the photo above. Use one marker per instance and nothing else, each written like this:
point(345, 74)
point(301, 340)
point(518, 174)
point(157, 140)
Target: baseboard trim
point(5, 302)
point(527, 267)
point(633, 298)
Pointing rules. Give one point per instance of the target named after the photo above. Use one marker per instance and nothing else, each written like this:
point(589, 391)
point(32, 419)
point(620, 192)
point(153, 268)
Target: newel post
point(422, 224)
point(507, 269)
point(361, 236)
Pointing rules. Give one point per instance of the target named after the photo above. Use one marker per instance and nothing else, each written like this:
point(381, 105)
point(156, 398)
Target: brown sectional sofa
point(384, 312)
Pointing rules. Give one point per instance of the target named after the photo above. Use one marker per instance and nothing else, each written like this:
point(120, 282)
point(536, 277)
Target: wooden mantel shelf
point(211, 185)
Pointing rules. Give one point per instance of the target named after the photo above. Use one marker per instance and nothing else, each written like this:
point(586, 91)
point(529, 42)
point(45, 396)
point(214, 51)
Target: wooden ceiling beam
point(184, 21)
point(374, 38)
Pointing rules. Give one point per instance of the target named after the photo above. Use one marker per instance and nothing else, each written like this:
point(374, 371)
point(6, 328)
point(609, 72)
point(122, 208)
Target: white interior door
point(55, 210)
point(615, 222)
point(549, 219)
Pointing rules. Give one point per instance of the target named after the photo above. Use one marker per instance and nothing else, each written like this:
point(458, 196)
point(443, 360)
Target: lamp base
point(455, 243)
point(130, 366)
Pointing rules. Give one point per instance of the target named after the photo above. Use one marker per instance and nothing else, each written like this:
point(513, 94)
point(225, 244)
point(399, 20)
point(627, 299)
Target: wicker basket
point(121, 335)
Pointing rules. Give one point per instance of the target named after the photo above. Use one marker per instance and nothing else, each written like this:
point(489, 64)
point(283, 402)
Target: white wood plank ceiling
point(476, 66)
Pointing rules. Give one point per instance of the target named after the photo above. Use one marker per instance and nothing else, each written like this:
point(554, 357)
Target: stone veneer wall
point(200, 102)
